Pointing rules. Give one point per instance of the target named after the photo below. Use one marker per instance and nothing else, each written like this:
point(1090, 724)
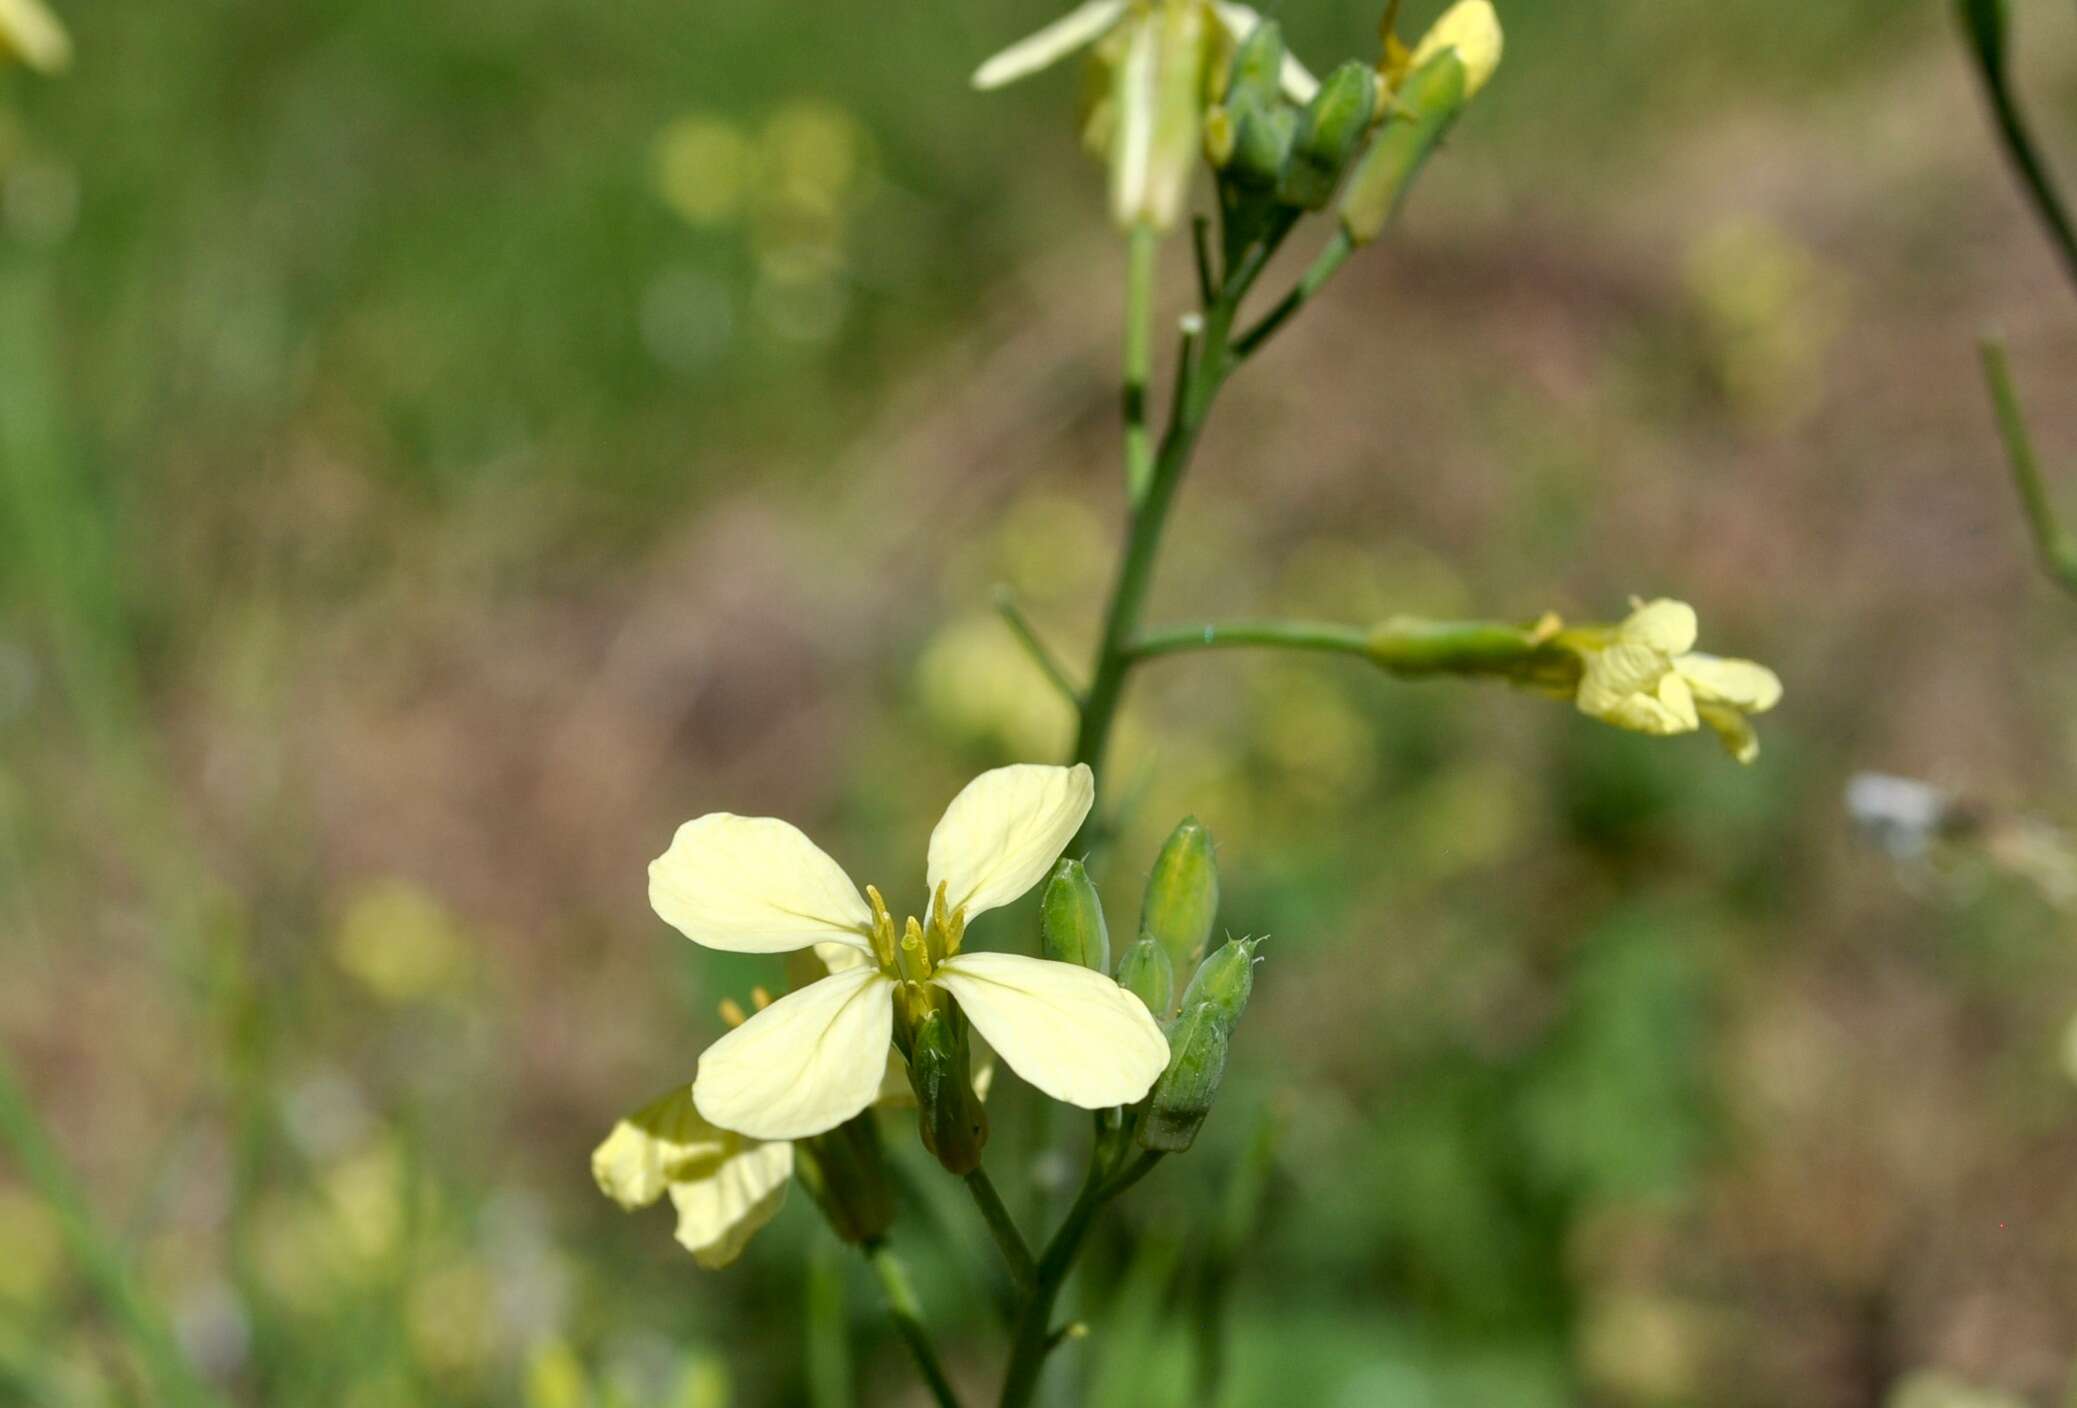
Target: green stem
point(1141, 247)
point(907, 1314)
point(1323, 268)
point(1233, 635)
point(102, 1265)
point(1007, 607)
point(1985, 25)
point(2056, 548)
point(1002, 1227)
point(1200, 378)
point(1035, 1336)
point(829, 1356)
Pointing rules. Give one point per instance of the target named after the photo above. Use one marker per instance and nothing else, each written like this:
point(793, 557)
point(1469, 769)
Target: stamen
point(760, 999)
point(732, 1012)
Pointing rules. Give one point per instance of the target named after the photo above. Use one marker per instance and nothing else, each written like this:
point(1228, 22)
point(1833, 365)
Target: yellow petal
point(718, 1214)
point(33, 34)
point(807, 1063)
point(1472, 28)
point(1664, 625)
point(1079, 26)
point(1004, 830)
point(1732, 730)
point(1617, 673)
point(663, 1139)
point(1740, 683)
point(754, 884)
point(1069, 1031)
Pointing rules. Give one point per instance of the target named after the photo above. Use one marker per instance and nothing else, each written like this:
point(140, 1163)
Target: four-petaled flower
point(815, 1057)
point(1645, 675)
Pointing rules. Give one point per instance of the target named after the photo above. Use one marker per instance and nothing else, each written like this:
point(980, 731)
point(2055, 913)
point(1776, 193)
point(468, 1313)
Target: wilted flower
point(1645, 675)
point(1160, 58)
point(815, 1058)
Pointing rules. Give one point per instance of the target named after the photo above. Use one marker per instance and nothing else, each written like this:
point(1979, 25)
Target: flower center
point(912, 952)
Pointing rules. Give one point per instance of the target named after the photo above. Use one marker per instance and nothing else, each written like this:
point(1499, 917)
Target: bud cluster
point(1177, 915)
point(1364, 133)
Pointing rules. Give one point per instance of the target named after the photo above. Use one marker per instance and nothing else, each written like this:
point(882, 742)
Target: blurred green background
point(443, 446)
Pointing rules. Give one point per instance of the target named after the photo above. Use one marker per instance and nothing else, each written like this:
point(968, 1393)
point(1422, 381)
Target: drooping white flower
point(723, 1185)
point(816, 1057)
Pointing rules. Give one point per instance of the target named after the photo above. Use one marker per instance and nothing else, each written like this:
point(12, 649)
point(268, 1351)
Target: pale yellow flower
point(1645, 675)
point(817, 1056)
point(31, 33)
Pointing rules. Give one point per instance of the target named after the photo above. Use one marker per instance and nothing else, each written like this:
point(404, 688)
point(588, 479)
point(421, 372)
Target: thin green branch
point(907, 1313)
point(1985, 24)
point(2055, 547)
point(1001, 1226)
point(1021, 626)
point(1142, 244)
point(1324, 267)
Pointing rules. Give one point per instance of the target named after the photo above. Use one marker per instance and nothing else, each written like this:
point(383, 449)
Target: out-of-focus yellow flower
point(812, 156)
point(399, 942)
point(451, 1321)
point(975, 680)
point(555, 1377)
point(1645, 675)
point(701, 167)
point(31, 1250)
point(32, 34)
point(1769, 309)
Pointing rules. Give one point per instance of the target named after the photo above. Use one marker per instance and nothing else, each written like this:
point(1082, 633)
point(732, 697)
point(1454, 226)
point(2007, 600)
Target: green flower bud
point(845, 1174)
point(1422, 112)
point(948, 1113)
point(1258, 67)
point(1183, 1096)
point(1182, 896)
point(1149, 974)
point(1071, 927)
point(1329, 130)
point(1225, 980)
point(1261, 145)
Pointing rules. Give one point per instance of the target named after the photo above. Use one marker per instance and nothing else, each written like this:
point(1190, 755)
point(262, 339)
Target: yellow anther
point(883, 928)
point(760, 999)
point(955, 931)
point(732, 1012)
